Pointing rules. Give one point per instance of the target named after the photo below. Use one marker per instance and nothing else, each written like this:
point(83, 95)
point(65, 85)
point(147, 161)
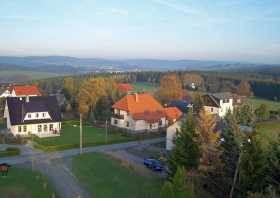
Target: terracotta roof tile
point(25, 90)
point(124, 87)
point(172, 113)
point(138, 103)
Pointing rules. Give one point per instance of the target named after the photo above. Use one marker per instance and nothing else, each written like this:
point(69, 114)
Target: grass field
point(256, 102)
point(20, 75)
point(92, 136)
point(24, 184)
point(2, 125)
point(103, 176)
point(146, 87)
point(268, 130)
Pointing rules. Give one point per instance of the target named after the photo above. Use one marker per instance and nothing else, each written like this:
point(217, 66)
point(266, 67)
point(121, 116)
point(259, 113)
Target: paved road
point(55, 164)
point(73, 152)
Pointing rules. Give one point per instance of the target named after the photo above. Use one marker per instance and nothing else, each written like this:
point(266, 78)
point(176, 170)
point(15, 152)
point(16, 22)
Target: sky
point(237, 30)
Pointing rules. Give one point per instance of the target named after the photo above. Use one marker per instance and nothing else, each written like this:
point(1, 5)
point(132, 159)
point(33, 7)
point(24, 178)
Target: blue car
point(153, 164)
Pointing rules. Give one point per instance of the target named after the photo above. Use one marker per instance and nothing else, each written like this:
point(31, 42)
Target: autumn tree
point(69, 87)
point(170, 88)
point(245, 115)
point(197, 103)
point(186, 151)
point(244, 89)
point(189, 78)
point(209, 143)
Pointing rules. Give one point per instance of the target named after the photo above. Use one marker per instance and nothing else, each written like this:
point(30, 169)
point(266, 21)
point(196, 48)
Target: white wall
point(225, 107)
point(211, 110)
point(33, 128)
point(171, 134)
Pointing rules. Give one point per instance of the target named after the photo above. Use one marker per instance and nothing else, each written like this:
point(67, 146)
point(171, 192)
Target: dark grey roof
point(213, 99)
point(19, 107)
point(223, 95)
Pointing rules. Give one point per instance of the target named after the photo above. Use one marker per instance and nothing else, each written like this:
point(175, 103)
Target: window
point(39, 128)
point(29, 115)
point(24, 128)
point(51, 127)
point(43, 115)
point(19, 128)
point(212, 109)
point(127, 124)
point(45, 127)
point(160, 122)
point(115, 121)
point(37, 115)
point(151, 126)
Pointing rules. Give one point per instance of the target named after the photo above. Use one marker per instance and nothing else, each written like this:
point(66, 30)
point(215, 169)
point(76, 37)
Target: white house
point(218, 103)
point(171, 133)
point(38, 115)
point(141, 112)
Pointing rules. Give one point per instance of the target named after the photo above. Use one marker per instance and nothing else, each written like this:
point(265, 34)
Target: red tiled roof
point(124, 87)
point(25, 90)
point(149, 116)
point(172, 113)
point(138, 103)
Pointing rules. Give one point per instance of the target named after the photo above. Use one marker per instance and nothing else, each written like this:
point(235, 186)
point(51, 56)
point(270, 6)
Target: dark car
point(153, 164)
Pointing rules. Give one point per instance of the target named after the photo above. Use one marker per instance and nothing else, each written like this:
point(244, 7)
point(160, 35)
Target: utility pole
point(81, 133)
point(235, 175)
point(106, 131)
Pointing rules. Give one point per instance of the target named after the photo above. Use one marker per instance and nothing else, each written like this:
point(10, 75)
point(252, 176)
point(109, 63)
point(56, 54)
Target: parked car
point(153, 164)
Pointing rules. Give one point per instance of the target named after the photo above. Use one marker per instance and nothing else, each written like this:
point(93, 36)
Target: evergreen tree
point(197, 103)
point(167, 190)
point(252, 167)
point(186, 152)
point(262, 112)
point(230, 149)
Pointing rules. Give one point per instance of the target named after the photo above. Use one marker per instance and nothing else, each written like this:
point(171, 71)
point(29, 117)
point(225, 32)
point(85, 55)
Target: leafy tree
point(167, 190)
point(186, 151)
point(102, 111)
point(189, 78)
point(197, 103)
point(245, 115)
point(244, 89)
point(269, 192)
point(262, 112)
point(170, 88)
point(69, 88)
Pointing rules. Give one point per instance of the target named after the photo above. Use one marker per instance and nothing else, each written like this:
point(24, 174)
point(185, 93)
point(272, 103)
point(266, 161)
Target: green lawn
point(24, 183)
point(103, 176)
point(146, 87)
point(2, 125)
point(256, 102)
point(70, 137)
point(268, 130)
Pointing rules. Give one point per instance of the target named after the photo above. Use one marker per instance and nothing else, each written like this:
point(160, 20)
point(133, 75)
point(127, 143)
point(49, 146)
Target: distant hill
point(65, 65)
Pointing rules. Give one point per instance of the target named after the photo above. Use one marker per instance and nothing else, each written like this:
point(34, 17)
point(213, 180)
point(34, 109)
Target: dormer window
point(29, 115)
point(43, 115)
point(37, 115)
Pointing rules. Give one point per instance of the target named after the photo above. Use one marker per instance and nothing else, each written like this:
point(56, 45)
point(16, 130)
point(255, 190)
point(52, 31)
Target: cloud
point(178, 7)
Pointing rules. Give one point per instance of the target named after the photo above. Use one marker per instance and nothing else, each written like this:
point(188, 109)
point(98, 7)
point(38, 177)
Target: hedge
point(10, 152)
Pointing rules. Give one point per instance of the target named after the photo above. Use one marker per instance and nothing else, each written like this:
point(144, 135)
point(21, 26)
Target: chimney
point(136, 97)
point(27, 99)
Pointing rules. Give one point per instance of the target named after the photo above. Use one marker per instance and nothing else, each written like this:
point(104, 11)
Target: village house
point(33, 115)
point(218, 103)
point(20, 91)
point(124, 87)
point(141, 112)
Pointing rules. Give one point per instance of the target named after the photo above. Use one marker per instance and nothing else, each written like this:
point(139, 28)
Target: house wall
point(211, 110)
point(171, 134)
point(225, 107)
point(134, 125)
point(33, 129)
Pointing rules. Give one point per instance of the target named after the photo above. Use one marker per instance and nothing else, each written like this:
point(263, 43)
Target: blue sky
point(241, 30)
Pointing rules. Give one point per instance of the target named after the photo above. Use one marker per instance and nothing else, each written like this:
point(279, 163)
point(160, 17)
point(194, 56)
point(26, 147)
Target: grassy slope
point(24, 183)
point(256, 102)
point(24, 75)
point(103, 176)
point(268, 130)
point(147, 87)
